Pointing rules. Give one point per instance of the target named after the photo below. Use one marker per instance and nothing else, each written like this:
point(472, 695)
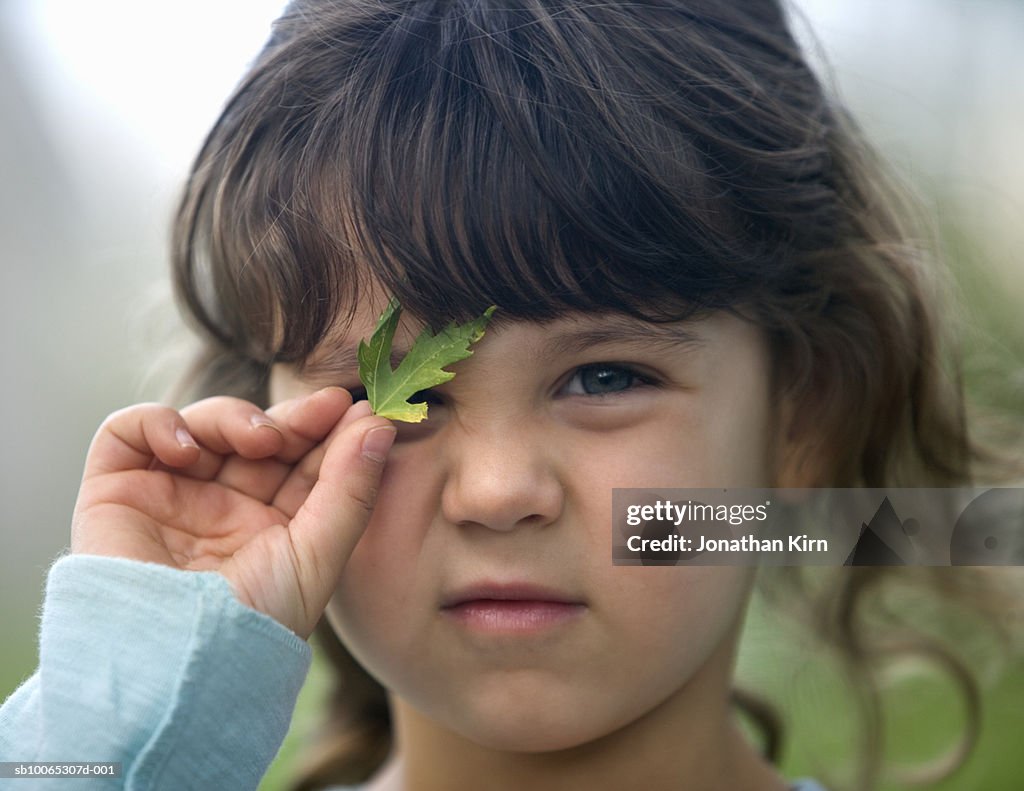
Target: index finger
point(304, 423)
point(131, 438)
point(307, 421)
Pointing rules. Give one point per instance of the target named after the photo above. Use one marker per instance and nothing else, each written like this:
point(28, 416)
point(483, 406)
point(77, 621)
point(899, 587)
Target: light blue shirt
point(160, 670)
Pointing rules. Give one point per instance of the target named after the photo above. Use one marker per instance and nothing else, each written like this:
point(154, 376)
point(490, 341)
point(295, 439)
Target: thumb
point(325, 530)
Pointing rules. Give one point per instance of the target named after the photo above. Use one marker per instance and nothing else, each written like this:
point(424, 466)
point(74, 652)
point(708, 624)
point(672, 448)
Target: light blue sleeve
point(164, 671)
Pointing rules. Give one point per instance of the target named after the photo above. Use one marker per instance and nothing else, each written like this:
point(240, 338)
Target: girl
point(701, 283)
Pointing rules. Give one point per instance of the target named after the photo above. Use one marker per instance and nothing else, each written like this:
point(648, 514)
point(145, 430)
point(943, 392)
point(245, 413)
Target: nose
point(501, 478)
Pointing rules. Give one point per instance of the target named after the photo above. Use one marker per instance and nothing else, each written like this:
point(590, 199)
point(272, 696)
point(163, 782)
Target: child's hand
point(275, 501)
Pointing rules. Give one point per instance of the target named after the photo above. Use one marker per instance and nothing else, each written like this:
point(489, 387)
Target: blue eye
point(602, 379)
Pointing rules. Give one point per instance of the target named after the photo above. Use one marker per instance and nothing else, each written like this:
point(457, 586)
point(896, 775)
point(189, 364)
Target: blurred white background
point(104, 103)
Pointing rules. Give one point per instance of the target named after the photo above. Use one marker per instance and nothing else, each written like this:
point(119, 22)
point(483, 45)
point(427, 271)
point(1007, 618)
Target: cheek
point(673, 616)
point(679, 613)
point(670, 630)
point(384, 583)
point(406, 504)
point(705, 447)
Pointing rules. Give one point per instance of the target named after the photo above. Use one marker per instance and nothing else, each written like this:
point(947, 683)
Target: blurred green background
point(102, 112)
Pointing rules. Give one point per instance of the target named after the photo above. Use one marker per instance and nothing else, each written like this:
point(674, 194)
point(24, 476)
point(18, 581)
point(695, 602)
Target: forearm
point(161, 670)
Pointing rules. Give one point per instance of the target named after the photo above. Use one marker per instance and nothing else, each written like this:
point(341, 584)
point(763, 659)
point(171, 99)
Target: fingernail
point(185, 439)
point(259, 420)
point(378, 442)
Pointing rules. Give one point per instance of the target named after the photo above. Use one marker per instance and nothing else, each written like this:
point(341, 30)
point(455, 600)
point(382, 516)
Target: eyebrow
point(335, 362)
point(624, 331)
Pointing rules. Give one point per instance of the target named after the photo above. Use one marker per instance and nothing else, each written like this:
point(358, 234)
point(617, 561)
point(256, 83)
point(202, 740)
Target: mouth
point(511, 608)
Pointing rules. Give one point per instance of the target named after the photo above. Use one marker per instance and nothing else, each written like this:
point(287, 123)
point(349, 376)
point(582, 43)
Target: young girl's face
point(506, 490)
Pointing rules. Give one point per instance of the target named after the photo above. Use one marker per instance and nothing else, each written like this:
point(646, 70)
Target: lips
point(506, 591)
point(511, 608)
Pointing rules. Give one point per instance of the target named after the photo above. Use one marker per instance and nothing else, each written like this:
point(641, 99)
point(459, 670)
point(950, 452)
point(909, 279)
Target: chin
point(525, 734)
point(533, 720)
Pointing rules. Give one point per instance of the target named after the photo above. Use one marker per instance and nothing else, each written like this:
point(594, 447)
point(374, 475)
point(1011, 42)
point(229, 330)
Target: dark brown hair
point(659, 159)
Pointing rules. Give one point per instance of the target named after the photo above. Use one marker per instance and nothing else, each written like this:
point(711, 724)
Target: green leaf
point(422, 368)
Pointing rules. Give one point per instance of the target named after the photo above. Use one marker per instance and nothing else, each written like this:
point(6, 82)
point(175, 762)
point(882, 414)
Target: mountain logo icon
point(885, 540)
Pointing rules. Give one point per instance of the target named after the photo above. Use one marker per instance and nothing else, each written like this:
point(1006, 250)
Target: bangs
point(465, 158)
